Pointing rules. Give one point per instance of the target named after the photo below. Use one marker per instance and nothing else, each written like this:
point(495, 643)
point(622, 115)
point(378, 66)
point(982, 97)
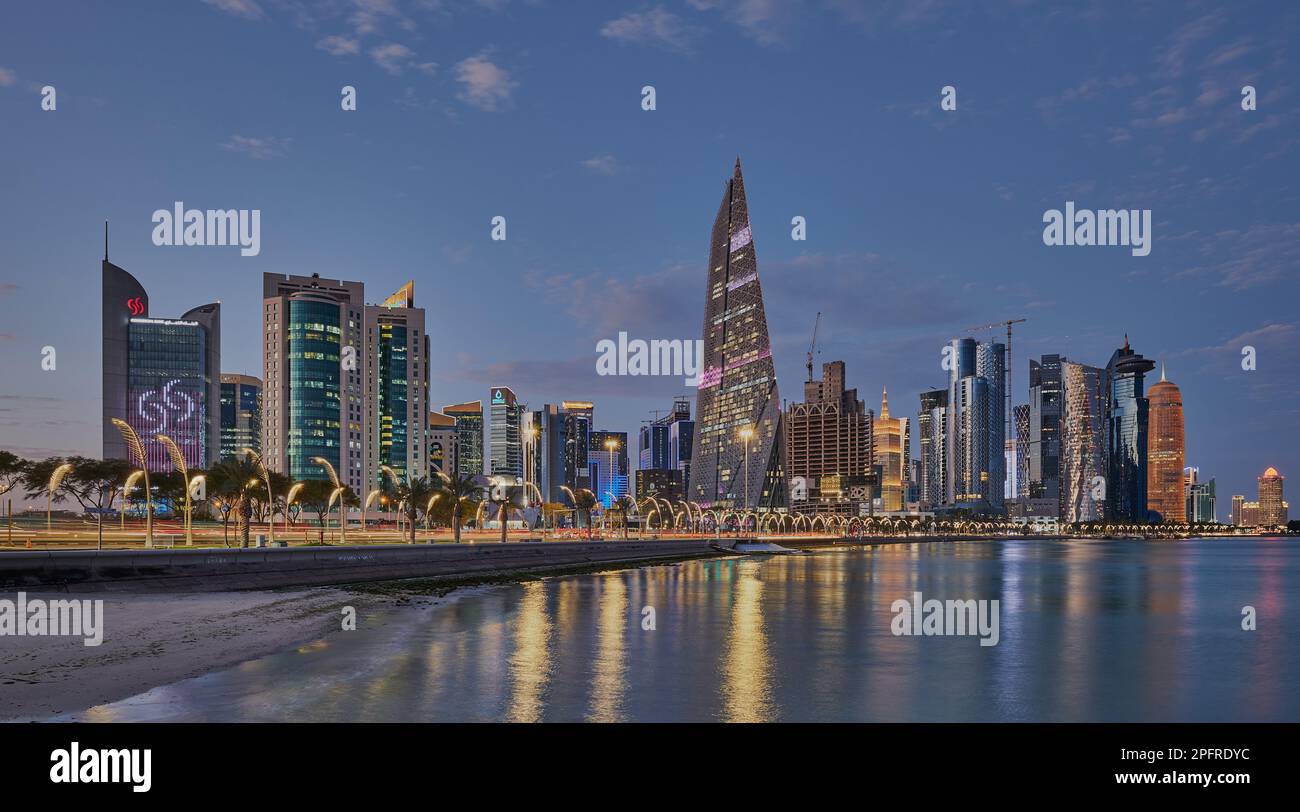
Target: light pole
point(126, 491)
point(178, 460)
point(56, 479)
point(396, 483)
point(288, 500)
point(337, 493)
point(334, 478)
point(746, 434)
point(370, 499)
point(428, 509)
point(135, 447)
point(199, 479)
point(270, 497)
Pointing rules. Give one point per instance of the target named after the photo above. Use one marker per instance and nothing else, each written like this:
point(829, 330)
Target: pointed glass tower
point(739, 405)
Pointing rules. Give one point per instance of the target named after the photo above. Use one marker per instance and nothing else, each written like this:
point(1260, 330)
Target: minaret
point(884, 403)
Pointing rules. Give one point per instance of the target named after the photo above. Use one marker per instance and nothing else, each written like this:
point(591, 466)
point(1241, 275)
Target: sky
point(921, 222)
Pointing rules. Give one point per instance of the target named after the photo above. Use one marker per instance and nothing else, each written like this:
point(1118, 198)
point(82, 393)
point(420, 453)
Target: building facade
point(887, 453)
point(469, 436)
point(159, 375)
point(1200, 507)
point(932, 428)
point(506, 452)
point(1083, 443)
point(828, 435)
point(241, 414)
point(441, 441)
point(737, 386)
point(1272, 506)
point(397, 388)
point(1044, 454)
point(607, 459)
point(315, 368)
point(1127, 426)
point(1166, 452)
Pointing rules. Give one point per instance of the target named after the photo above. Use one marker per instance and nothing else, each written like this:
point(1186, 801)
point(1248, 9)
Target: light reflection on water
point(1090, 631)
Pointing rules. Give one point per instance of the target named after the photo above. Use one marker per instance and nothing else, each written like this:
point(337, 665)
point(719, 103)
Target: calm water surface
point(1090, 631)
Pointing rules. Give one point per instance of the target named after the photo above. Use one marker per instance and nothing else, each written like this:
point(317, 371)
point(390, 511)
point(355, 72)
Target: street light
point(178, 460)
point(370, 499)
point(334, 478)
point(126, 491)
point(429, 509)
point(270, 497)
point(199, 479)
point(746, 434)
point(135, 447)
point(288, 500)
point(56, 479)
point(337, 493)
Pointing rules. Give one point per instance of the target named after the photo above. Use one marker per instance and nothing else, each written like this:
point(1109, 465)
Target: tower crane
point(812, 347)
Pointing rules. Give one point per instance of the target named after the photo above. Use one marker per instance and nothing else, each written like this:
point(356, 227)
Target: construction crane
point(1007, 442)
point(812, 347)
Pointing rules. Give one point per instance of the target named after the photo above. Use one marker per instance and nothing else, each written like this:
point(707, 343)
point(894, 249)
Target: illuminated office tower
point(506, 453)
point(160, 375)
point(738, 395)
point(315, 367)
point(1019, 473)
point(607, 458)
point(1238, 503)
point(1044, 455)
point(887, 452)
point(932, 426)
point(1200, 508)
point(1127, 423)
point(241, 414)
point(1083, 443)
point(828, 437)
point(469, 436)
point(1165, 452)
point(976, 460)
point(1272, 507)
point(397, 390)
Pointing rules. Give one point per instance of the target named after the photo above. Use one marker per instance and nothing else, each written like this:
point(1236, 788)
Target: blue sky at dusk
point(920, 222)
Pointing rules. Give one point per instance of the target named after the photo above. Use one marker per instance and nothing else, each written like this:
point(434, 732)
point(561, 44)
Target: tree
point(13, 469)
point(585, 501)
point(237, 480)
point(623, 504)
point(315, 496)
point(460, 491)
point(95, 484)
point(414, 496)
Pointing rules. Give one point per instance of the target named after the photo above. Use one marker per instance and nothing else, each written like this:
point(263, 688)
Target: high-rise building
point(1200, 508)
point(1018, 474)
point(160, 375)
point(241, 414)
point(607, 458)
point(662, 483)
point(469, 436)
point(1127, 423)
point(1250, 515)
point(828, 435)
point(976, 463)
point(506, 453)
point(887, 452)
point(1044, 452)
point(737, 388)
point(397, 388)
point(1083, 443)
point(1272, 508)
point(932, 426)
point(660, 447)
point(1238, 502)
point(1165, 452)
point(681, 439)
point(441, 441)
point(561, 450)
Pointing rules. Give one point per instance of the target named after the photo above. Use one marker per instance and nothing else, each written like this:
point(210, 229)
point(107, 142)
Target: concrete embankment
point(262, 568)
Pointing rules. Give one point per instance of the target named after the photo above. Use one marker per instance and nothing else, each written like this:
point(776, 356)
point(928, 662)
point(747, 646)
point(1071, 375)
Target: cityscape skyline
point(1230, 259)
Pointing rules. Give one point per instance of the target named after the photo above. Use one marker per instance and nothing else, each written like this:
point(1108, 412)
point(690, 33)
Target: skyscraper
point(506, 450)
point(1165, 452)
point(441, 442)
point(1200, 508)
point(161, 376)
point(397, 391)
point(1127, 417)
point(737, 388)
point(932, 426)
point(828, 435)
point(1083, 443)
point(315, 366)
point(1272, 508)
point(1019, 483)
point(976, 461)
point(607, 457)
point(1238, 503)
point(887, 452)
point(1044, 455)
point(469, 436)
point(241, 414)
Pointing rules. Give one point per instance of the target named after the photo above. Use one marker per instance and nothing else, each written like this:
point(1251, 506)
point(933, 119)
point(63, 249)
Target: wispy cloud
point(602, 164)
point(339, 46)
point(395, 57)
point(484, 84)
point(247, 9)
point(260, 148)
point(657, 26)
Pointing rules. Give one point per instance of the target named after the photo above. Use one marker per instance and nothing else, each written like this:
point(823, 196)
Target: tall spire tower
point(737, 389)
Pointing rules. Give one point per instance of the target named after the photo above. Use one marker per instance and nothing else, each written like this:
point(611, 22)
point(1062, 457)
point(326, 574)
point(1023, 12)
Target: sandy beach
point(152, 640)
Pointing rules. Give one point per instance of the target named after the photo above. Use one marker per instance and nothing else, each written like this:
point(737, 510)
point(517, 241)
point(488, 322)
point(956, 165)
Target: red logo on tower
point(135, 306)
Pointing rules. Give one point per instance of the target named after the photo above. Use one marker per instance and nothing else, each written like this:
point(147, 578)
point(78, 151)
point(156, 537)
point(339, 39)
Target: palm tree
point(584, 500)
point(237, 479)
point(459, 489)
point(414, 495)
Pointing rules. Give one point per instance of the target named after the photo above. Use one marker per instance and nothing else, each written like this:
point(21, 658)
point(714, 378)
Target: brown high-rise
point(1165, 452)
point(1272, 509)
point(828, 439)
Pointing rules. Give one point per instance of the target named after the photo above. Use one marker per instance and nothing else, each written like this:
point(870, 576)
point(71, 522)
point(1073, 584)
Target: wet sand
point(152, 640)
